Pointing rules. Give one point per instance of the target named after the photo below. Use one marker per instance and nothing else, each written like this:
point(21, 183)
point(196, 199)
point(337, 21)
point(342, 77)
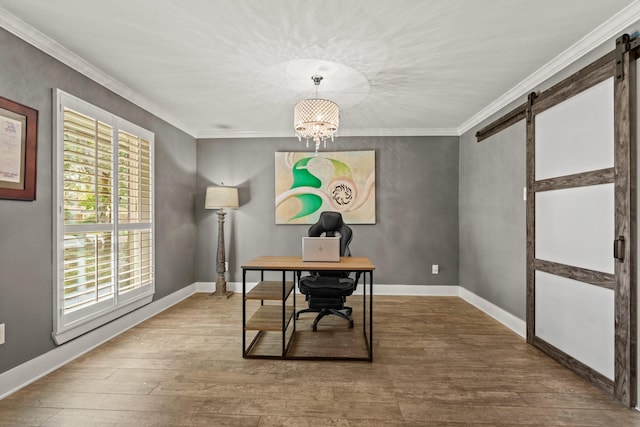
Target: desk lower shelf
point(270, 291)
point(269, 318)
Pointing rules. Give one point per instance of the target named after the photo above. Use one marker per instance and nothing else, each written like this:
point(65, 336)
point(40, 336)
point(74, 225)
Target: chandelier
point(316, 119)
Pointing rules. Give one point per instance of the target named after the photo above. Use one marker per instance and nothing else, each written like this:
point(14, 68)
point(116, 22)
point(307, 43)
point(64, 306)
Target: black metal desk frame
point(289, 319)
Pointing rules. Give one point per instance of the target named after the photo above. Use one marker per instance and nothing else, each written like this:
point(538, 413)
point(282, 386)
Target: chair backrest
point(331, 224)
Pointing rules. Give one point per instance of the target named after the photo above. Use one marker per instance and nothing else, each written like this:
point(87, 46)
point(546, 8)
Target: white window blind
point(104, 212)
point(134, 212)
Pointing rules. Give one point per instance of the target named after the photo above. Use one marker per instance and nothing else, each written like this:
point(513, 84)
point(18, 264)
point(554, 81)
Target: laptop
point(321, 249)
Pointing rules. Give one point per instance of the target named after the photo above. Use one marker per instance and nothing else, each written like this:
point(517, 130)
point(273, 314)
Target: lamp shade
point(221, 197)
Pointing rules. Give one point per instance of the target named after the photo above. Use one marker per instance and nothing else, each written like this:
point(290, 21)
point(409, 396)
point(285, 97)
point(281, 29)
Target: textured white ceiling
point(237, 67)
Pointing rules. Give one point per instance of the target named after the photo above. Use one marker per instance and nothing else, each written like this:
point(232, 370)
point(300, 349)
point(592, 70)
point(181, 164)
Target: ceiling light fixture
point(316, 119)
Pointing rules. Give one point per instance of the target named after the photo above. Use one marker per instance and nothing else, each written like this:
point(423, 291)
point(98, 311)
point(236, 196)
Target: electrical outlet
point(1, 333)
point(435, 269)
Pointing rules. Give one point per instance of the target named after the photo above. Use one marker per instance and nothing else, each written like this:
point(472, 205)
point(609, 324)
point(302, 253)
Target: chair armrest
point(358, 274)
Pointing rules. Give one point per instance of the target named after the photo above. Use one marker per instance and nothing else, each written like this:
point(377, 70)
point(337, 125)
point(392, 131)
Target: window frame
point(67, 326)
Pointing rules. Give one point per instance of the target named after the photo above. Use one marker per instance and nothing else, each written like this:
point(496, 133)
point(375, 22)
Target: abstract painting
point(342, 181)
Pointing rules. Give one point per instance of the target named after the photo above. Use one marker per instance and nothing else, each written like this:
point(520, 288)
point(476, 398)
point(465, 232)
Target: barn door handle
point(618, 248)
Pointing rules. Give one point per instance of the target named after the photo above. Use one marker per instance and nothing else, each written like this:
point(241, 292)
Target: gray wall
point(26, 272)
point(492, 218)
point(416, 195)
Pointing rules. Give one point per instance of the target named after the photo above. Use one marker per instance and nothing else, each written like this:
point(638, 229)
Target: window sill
point(66, 335)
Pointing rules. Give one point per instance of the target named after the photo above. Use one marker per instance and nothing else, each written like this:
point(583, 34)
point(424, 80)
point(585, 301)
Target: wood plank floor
point(438, 361)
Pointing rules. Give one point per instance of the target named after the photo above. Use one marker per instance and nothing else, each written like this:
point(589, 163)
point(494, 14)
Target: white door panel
point(577, 318)
point(575, 226)
point(577, 134)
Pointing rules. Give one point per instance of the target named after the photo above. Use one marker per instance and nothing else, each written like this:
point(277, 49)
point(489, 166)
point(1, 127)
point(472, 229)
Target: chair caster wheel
point(314, 328)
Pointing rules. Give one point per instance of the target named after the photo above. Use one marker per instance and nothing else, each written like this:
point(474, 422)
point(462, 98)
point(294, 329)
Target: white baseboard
point(400, 290)
point(414, 290)
point(236, 287)
point(205, 287)
point(23, 375)
point(512, 322)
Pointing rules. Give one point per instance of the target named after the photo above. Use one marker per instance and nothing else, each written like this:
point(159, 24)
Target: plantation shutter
point(134, 212)
point(88, 201)
point(104, 212)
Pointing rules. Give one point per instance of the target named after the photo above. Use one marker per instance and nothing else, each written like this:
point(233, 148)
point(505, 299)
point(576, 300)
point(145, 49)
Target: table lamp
point(221, 198)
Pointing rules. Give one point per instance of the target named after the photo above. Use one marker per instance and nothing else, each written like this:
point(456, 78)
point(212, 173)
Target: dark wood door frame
point(622, 70)
point(619, 64)
point(625, 116)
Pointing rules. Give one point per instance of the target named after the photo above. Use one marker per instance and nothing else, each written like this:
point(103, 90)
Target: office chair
point(326, 291)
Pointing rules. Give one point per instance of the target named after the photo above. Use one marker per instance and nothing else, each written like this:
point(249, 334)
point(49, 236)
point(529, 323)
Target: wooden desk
point(281, 318)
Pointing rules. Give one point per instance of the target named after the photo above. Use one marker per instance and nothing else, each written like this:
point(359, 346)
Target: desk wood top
point(295, 263)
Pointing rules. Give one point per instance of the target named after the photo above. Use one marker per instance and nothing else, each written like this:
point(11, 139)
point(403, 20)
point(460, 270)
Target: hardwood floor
point(438, 361)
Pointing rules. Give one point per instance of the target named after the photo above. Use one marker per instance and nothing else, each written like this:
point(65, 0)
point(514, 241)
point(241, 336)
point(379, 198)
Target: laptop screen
point(321, 249)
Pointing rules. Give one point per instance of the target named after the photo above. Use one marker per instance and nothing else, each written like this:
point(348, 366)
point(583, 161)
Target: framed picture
point(342, 181)
point(18, 140)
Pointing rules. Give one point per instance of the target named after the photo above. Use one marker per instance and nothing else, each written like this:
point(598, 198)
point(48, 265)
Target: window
point(104, 254)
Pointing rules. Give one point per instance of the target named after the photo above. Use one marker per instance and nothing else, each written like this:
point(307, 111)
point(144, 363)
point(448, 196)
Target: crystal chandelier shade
point(316, 119)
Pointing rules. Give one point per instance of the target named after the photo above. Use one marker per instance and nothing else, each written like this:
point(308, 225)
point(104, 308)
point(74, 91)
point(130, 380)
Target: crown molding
point(24, 31)
point(603, 33)
point(401, 132)
point(237, 133)
point(231, 134)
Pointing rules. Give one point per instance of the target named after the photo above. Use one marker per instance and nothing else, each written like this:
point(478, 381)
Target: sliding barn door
point(579, 226)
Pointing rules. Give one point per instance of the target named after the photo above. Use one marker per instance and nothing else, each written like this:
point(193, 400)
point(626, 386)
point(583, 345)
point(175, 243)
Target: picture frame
point(307, 184)
point(18, 150)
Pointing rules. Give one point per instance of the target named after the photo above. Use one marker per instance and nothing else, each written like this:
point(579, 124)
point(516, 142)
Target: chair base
point(326, 312)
